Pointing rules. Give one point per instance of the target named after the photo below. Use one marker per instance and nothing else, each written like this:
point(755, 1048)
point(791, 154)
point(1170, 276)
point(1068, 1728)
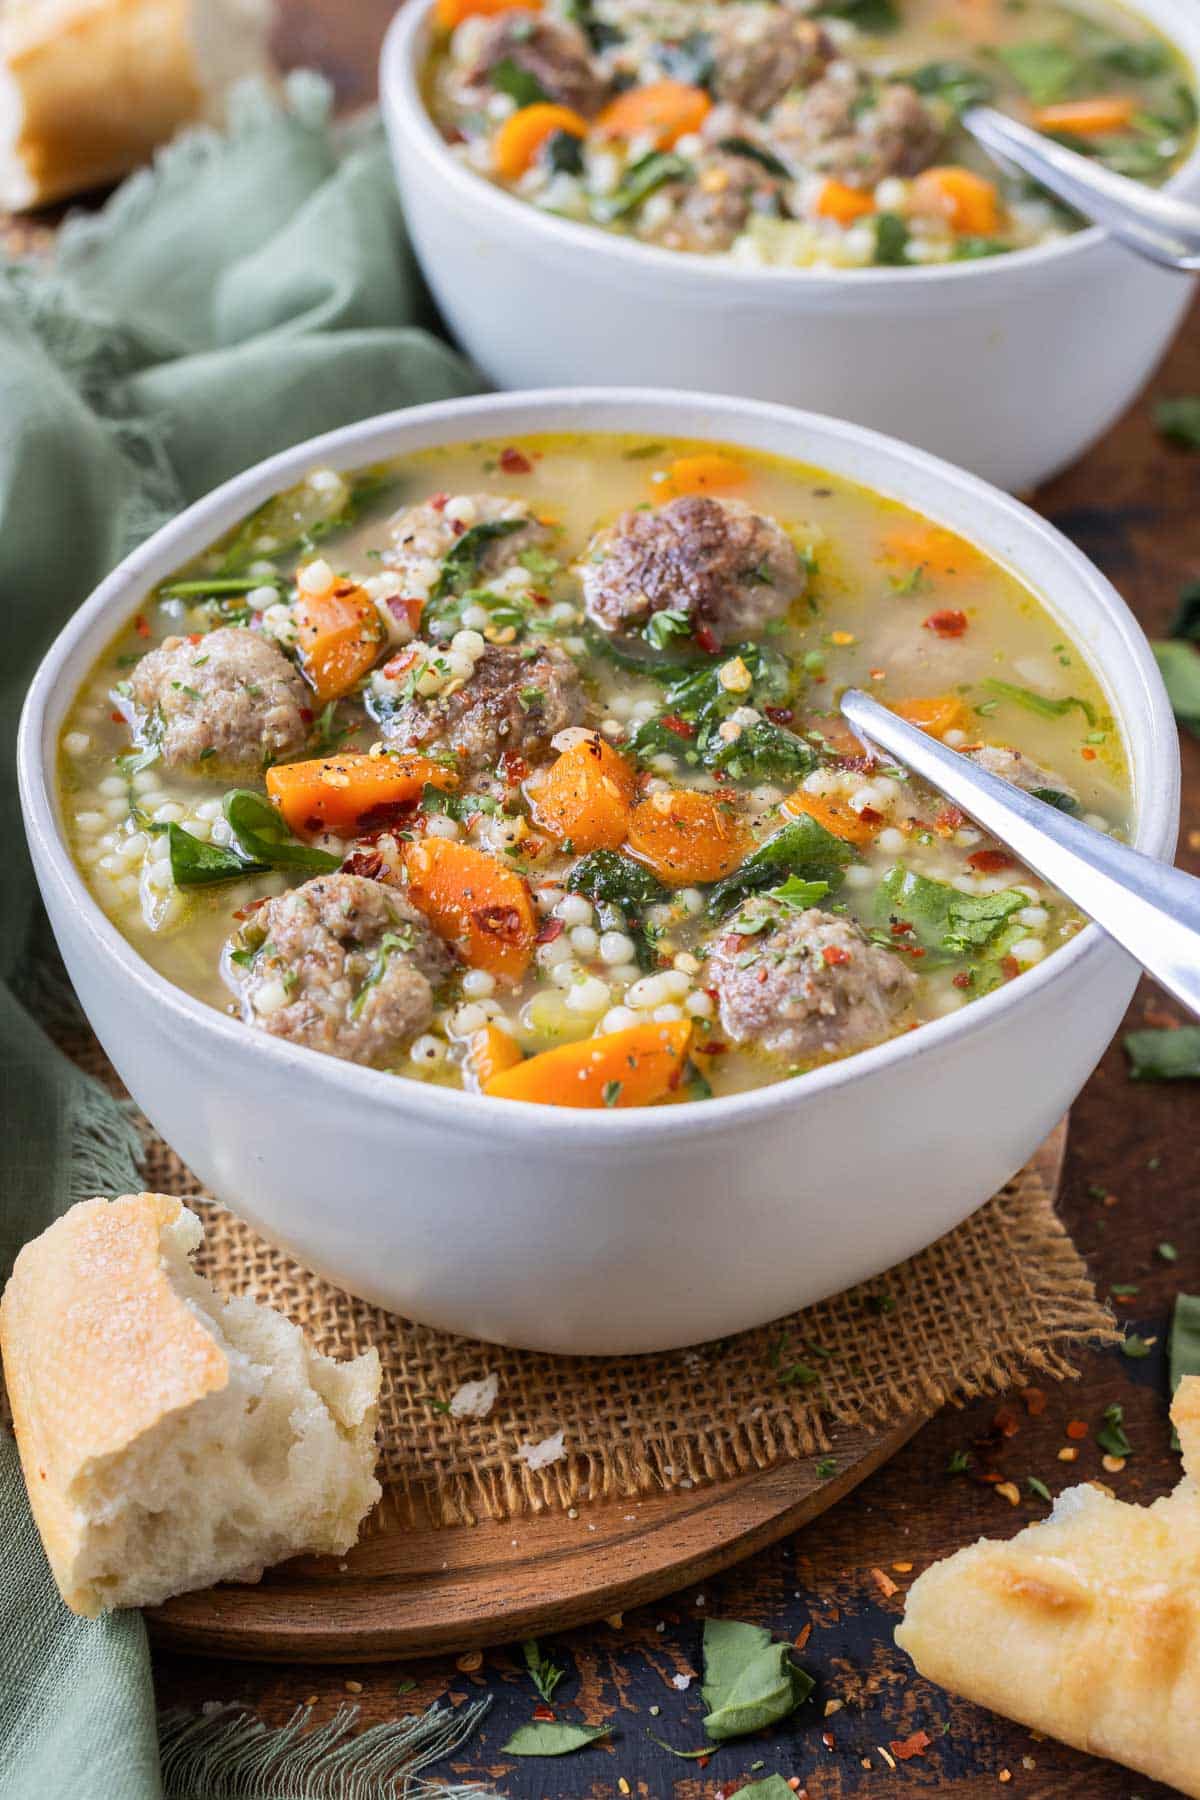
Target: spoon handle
point(1156, 225)
point(1149, 908)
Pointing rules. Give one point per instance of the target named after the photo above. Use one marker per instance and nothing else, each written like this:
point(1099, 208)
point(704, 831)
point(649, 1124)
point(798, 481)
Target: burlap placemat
point(1000, 1301)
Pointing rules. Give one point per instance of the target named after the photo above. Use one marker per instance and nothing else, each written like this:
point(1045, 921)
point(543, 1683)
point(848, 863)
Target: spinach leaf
point(699, 700)
point(689, 59)
point(740, 146)
point(1055, 797)
point(764, 751)
point(544, 1674)
point(1179, 665)
point(750, 1682)
point(868, 15)
point(218, 584)
point(1183, 1351)
point(460, 565)
point(1141, 61)
point(1041, 704)
point(773, 1788)
point(641, 179)
point(197, 864)
point(607, 875)
point(564, 154)
point(1164, 1055)
point(802, 848)
point(958, 84)
point(1186, 622)
point(262, 836)
point(552, 1739)
point(628, 655)
point(520, 84)
point(891, 240)
point(1046, 72)
point(1179, 420)
point(943, 919)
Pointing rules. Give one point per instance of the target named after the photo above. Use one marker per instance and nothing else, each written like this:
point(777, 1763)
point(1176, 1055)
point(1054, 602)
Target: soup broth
point(509, 749)
point(779, 133)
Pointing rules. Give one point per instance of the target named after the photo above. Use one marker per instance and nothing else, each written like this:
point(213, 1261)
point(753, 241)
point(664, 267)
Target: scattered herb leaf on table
point(1179, 420)
point(1179, 665)
point(552, 1739)
point(1164, 1055)
point(544, 1674)
point(750, 1681)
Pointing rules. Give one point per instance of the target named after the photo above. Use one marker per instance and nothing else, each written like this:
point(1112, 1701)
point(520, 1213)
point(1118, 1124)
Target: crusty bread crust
point(1086, 1626)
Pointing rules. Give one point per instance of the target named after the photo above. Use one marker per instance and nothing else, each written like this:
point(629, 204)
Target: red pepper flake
point(545, 1714)
point(307, 714)
point(964, 979)
point(1010, 968)
point(990, 862)
point(364, 862)
point(707, 639)
point(720, 775)
point(553, 928)
point(117, 718)
point(514, 768)
point(869, 816)
point(900, 927)
point(141, 626)
point(779, 715)
point(946, 624)
point(1035, 1401)
point(904, 1749)
point(887, 1587)
point(407, 611)
point(193, 637)
point(912, 949)
point(438, 502)
point(1077, 1429)
point(835, 956)
point(949, 820)
point(1088, 755)
point(681, 728)
point(498, 921)
point(801, 1638)
point(514, 462)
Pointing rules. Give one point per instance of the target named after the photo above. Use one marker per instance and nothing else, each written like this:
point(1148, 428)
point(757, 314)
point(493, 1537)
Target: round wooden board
point(409, 1592)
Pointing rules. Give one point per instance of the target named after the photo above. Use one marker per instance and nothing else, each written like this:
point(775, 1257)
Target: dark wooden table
point(1133, 1180)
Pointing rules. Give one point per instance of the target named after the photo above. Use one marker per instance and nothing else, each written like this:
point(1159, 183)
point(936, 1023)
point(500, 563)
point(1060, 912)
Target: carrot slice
point(449, 13)
point(587, 796)
point(1096, 117)
point(937, 715)
point(706, 473)
point(474, 903)
point(341, 635)
point(838, 200)
point(624, 1068)
point(969, 202)
point(687, 836)
point(930, 547)
point(834, 815)
point(489, 1052)
point(663, 110)
point(523, 133)
point(352, 792)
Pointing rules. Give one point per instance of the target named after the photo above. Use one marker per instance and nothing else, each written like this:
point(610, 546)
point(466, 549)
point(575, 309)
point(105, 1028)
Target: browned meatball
point(729, 569)
point(806, 984)
point(514, 702)
point(840, 127)
point(556, 54)
point(760, 52)
point(1021, 770)
point(344, 965)
point(711, 211)
point(231, 699)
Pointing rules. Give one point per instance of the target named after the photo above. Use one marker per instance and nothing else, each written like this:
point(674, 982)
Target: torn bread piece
point(89, 88)
point(1086, 1626)
point(171, 1437)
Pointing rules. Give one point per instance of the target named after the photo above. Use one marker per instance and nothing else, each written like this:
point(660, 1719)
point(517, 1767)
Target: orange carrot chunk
point(937, 715)
point(663, 110)
point(587, 796)
point(706, 473)
point(472, 901)
point(344, 794)
point(834, 815)
point(1097, 117)
point(624, 1068)
point(918, 545)
point(838, 200)
point(687, 836)
point(450, 13)
point(341, 635)
point(489, 1052)
point(968, 202)
point(516, 144)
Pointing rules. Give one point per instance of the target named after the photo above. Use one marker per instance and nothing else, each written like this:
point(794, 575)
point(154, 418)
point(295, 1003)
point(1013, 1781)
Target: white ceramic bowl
point(621, 1231)
point(1011, 367)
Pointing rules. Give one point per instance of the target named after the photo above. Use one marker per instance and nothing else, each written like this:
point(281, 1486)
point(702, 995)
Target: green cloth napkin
point(253, 290)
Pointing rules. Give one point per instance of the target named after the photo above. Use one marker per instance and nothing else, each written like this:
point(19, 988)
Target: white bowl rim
point(400, 89)
point(484, 415)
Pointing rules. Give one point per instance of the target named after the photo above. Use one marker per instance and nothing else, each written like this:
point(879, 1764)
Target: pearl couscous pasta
point(800, 133)
point(517, 767)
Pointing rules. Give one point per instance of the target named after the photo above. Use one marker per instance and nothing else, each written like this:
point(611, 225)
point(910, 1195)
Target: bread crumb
point(475, 1399)
point(539, 1456)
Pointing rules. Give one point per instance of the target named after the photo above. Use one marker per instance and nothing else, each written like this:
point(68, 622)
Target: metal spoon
point(1151, 910)
point(1156, 225)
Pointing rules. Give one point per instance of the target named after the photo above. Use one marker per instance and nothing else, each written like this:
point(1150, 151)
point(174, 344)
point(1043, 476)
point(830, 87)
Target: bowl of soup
point(452, 836)
point(779, 201)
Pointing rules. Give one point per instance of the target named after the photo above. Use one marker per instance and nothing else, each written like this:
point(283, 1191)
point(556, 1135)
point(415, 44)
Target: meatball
point(760, 52)
point(805, 985)
point(842, 127)
point(513, 702)
point(423, 536)
point(707, 214)
point(725, 566)
point(231, 698)
point(555, 53)
point(1021, 770)
point(344, 965)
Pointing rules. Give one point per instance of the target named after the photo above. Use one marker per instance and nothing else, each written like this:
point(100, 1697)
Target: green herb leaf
point(1040, 1489)
point(683, 1755)
point(942, 918)
point(802, 848)
point(1183, 1350)
point(750, 1682)
point(1041, 704)
point(1055, 797)
point(1179, 420)
point(740, 146)
point(957, 84)
point(132, 762)
point(1135, 1347)
point(662, 627)
point(826, 1468)
point(389, 944)
point(460, 565)
point(520, 84)
point(456, 806)
point(891, 240)
point(552, 1739)
point(544, 1674)
point(959, 1463)
point(1164, 1055)
point(263, 837)
point(1168, 1253)
point(1047, 72)
point(763, 751)
point(197, 864)
point(1111, 1436)
point(1179, 665)
point(641, 179)
point(798, 895)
